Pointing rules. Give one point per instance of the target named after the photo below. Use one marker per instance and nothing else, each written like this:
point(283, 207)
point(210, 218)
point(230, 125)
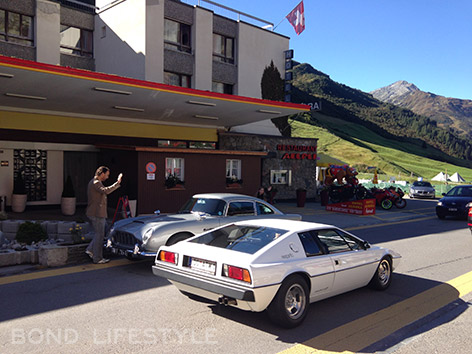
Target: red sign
point(151, 167)
point(295, 156)
point(358, 207)
point(297, 152)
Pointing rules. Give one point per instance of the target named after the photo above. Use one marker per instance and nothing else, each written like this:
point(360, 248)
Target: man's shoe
point(103, 261)
point(90, 254)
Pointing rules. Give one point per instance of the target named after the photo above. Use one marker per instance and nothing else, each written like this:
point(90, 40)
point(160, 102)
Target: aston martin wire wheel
point(386, 204)
point(290, 305)
point(383, 275)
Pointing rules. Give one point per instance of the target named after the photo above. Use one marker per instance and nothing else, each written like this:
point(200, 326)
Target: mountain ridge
point(449, 113)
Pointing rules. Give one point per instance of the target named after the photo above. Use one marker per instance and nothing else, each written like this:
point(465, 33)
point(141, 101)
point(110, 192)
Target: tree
point(272, 88)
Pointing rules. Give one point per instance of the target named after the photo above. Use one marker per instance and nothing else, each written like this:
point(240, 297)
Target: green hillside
point(365, 148)
point(399, 127)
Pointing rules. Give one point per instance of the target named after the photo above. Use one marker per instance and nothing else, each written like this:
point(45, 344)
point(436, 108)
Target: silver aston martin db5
point(143, 235)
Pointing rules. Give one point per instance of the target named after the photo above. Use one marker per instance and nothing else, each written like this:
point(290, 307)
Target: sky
point(369, 44)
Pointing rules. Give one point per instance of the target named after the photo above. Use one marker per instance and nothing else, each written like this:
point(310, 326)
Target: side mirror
point(443, 193)
point(366, 245)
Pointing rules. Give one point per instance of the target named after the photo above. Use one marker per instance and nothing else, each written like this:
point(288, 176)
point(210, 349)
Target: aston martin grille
point(124, 238)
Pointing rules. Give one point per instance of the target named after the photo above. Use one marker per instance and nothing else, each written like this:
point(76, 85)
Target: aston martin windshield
point(241, 238)
point(204, 205)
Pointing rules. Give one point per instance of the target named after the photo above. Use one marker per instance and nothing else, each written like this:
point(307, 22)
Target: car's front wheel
point(383, 275)
point(290, 305)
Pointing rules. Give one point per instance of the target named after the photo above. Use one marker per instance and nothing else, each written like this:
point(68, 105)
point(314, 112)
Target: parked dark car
point(455, 202)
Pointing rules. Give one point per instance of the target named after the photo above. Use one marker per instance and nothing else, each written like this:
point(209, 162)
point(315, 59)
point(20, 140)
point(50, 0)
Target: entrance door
point(81, 166)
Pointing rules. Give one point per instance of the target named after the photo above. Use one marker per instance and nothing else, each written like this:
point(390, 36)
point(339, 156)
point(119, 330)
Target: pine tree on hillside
point(272, 88)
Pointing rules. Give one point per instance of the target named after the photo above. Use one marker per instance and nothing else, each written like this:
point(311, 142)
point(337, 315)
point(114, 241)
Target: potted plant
point(233, 182)
point(68, 200)
point(19, 196)
point(174, 182)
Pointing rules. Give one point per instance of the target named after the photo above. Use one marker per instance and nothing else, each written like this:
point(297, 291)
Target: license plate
point(202, 265)
point(452, 209)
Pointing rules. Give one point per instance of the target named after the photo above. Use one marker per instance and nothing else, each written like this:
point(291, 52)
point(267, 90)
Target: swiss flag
point(297, 18)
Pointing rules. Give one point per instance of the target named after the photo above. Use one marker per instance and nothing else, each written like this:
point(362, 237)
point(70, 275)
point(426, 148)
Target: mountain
point(400, 126)
point(449, 113)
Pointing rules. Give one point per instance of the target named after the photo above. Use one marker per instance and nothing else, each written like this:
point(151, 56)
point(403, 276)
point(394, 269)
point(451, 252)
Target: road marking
point(359, 334)
point(63, 271)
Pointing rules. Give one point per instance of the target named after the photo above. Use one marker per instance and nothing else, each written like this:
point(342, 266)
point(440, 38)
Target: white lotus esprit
point(278, 265)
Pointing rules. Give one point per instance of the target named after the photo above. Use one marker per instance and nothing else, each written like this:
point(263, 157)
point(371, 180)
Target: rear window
point(241, 238)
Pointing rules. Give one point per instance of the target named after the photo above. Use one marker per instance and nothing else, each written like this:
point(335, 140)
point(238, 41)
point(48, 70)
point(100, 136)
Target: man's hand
point(120, 176)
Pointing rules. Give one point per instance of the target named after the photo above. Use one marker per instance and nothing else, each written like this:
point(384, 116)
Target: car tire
point(383, 275)
point(291, 303)
point(177, 238)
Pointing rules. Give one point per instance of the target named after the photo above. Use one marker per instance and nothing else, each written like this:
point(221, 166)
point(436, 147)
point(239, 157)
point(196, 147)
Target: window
point(338, 241)
point(240, 208)
point(223, 48)
point(263, 209)
point(222, 88)
point(174, 79)
point(16, 28)
point(177, 36)
point(233, 169)
point(281, 177)
point(241, 238)
point(76, 41)
point(175, 167)
point(32, 166)
point(310, 244)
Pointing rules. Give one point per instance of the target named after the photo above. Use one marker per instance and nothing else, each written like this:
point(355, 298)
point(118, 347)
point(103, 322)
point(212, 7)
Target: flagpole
point(279, 23)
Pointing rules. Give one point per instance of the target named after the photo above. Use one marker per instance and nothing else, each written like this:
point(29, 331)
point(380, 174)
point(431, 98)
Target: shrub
point(68, 191)
point(30, 232)
point(19, 186)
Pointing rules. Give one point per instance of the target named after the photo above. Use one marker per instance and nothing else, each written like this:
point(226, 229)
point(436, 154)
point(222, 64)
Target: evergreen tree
point(272, 88)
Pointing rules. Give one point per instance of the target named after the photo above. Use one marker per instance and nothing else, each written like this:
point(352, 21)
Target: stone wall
point(297, 156)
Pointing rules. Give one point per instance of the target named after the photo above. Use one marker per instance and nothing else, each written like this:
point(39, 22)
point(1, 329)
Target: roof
point(29, 86)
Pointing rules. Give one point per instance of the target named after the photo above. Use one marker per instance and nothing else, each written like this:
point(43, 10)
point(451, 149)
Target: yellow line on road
point(62, 271)
point(359, 334)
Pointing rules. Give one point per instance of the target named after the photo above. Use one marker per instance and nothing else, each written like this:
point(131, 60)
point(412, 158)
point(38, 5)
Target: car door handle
point(208, 229)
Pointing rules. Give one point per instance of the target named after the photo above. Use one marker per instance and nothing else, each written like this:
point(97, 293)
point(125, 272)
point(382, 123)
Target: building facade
point(131, 84)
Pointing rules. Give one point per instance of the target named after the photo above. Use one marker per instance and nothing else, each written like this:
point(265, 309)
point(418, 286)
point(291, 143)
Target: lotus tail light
point(169, 257)
point(236, 273)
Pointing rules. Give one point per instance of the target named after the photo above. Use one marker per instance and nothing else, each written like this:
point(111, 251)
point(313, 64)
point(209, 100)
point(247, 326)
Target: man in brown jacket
point(97, 211)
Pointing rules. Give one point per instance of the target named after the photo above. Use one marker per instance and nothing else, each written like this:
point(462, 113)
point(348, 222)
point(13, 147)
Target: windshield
point(421, 184)
point(204, 205)
point(460, 192)
point(241, 238)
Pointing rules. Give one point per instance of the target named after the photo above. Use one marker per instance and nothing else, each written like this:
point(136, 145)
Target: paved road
point(122, 307)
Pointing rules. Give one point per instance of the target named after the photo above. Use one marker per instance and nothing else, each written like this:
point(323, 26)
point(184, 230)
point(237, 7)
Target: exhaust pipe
point(223, 300)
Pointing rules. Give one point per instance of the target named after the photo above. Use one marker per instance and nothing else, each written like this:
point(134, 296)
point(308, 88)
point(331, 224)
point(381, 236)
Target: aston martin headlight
point(440, 204)
point(147, 235)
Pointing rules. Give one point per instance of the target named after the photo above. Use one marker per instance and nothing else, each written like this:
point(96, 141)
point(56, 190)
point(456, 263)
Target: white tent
point(441, 176)
point(456, 178)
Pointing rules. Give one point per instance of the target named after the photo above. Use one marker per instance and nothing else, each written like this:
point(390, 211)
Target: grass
point(363, 148)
